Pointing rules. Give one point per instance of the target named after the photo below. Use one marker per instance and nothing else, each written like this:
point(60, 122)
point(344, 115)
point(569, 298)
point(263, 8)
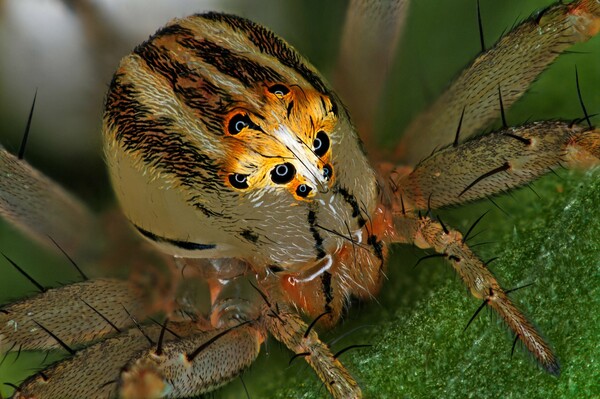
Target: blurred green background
point(551, 238)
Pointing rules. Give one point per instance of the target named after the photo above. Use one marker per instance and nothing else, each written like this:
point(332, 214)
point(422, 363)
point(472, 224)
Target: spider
point(366, 248)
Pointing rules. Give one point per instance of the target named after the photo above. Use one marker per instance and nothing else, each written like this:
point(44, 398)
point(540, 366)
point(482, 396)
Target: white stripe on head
point(307, 160)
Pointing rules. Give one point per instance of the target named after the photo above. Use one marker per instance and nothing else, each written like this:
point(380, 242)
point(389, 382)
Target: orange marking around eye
point(298, 182)
point(282, 130)
point(278, 90)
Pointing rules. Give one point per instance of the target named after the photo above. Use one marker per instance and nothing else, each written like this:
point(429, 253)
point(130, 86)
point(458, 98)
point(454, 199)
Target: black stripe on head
point(172, 30)
point(154, 139)
point(351, 200)
point(312, 221)
point(195, 90)
point(377, 246)
point(158, 61)
point(327, 290)
point(197, 202)
point(270, 44)
point(187, 245)
point(247, 71)
point(333, 109)
point(249, 236)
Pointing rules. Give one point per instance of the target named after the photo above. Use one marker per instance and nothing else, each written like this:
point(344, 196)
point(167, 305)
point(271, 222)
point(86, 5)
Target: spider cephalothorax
point(233, 145)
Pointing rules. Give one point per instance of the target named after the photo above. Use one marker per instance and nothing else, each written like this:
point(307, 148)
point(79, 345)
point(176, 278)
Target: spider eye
point(279, 90)
point(321, 143)
point(303, 190)
point(238, 123)
point(327, 171)
point(238, 180)
point(283, 173)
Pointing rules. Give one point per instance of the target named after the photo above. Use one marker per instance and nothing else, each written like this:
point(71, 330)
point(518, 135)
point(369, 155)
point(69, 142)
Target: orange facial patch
point(286, 143)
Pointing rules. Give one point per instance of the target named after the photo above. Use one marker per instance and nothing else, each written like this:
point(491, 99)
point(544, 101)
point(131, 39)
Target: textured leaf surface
point(420, 349)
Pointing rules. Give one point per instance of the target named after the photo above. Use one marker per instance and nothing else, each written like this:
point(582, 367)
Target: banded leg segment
point(425, 233)
point(93, 372)
point(512, 65)
point(76, 314)
point(189, 367)
point(497, 162)
point(288, 328)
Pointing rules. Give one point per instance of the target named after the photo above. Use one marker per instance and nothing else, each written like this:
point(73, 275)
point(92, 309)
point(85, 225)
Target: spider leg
point(370, 37)
point(76, 314)
point(192, 366)
point(426, 233)
point(93, 372)
point(288, 328)
point(205, 361)
point(41, 208)
point(497, 162)
point(512, 64)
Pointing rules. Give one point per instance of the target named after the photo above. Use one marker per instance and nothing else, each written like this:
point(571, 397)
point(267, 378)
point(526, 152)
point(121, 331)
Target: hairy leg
point(41, 208)
point(371, 32)
point(76, 314)
point(204, 362)
point(286, 326)
point(495, 162)
point(512, 64)
point(93, 372)
point(426, 233)
point(179, 359)
point(192, 366)
point(89, 373)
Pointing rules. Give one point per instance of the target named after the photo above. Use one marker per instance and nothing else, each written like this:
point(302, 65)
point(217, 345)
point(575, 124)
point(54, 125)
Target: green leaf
point(419, 347)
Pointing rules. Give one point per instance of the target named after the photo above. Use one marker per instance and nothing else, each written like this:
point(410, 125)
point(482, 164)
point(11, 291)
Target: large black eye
point(303, 190)
point(279, 90)
point(238, 180)
point(327, 171)
point(283, 173)
point(321, 143)
point(238, 123)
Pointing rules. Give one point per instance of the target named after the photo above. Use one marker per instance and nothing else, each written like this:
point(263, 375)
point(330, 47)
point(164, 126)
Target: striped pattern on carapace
point(224, 144)
point(213, 120)
point(212, 79)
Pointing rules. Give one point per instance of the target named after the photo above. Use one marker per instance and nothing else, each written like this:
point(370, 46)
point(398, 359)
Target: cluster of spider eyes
point(282, 173)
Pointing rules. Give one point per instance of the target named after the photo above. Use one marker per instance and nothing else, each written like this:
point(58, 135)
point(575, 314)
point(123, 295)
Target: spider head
point(218, 150)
